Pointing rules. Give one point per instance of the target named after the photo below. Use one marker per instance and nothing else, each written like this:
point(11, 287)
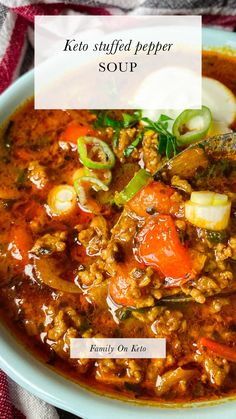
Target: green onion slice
point(104, 175)
point(84, 187)
point(139, 180)
point(95, 153)
point(192, 125)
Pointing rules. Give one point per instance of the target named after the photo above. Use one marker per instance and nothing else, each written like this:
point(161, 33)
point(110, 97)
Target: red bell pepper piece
point(160, 247)
point(219, 349)
point(74, 131)
point(20, 244)
point(156, 196)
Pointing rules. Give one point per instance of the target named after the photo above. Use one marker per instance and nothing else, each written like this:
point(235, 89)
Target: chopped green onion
point(83, 187)
point(139, 180)
point(90, 147)
point(104, 175)
point(192, 125)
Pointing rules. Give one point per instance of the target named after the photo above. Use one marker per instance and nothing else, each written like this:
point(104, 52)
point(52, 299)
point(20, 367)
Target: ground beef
point(50, 243)
point(95, 237)
point(181, 184)
point(151, 157)
point(126, 136)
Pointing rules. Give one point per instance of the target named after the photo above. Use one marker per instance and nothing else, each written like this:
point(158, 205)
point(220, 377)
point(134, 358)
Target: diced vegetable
point(74, 131)
point(95, 153)
point(208, 210)
point(160, 247)
point(219, 349)
point(119, 289)
point(208, 198)
point(220, 199)
point(47, 272)
point(172, 378)
point(203, 197)
point(154, 197)
point(120, 284)
point(83, 187)
point(139, 180)
point(191, 125)
point(62, 200)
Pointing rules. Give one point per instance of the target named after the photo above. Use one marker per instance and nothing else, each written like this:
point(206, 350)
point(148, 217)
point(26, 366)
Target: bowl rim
point(52, 387)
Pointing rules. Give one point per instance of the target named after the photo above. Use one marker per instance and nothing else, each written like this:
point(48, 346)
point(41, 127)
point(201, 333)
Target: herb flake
point(129, 150)
point(167, 141)
point(129, 120)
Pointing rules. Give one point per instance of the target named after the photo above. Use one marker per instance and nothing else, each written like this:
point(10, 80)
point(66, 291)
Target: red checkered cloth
point(16, 57)
point(17, 403)
point(7, 408)
point(17, 21)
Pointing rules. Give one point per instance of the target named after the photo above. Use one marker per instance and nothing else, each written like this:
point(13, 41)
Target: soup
point(92, 245)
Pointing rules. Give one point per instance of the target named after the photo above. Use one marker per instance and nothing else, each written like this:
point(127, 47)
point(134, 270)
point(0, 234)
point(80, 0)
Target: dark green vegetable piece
point(131, 119)
point(21, 178)
point(179, 298)
point(125, 314)
point(167, 141)
point(105, 120)
point(115, 137)
point(8, 203)
point(85, 325)
point(7, 140)
point(216, 236)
